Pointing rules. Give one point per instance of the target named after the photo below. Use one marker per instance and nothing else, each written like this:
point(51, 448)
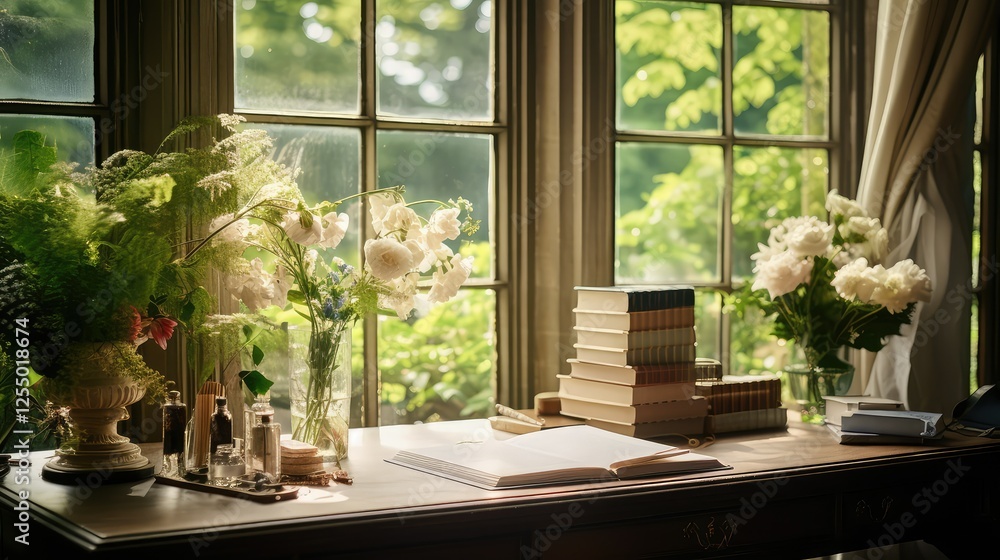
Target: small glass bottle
point(174, 424)
point(221, 431)
point(262, 406)
point(265, 447)
point(226, 465)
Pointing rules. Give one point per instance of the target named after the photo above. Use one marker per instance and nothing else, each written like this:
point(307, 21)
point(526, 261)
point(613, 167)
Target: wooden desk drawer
point(753, 523)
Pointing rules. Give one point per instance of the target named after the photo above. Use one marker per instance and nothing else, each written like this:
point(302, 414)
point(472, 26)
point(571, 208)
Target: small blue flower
point(328, 310)
point(346, 269)
point(334, 277)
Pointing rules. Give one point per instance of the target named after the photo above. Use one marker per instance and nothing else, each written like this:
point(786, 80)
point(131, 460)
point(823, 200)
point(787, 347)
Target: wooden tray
point(266, 495)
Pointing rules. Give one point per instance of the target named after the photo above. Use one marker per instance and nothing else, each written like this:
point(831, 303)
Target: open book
point(569, 454)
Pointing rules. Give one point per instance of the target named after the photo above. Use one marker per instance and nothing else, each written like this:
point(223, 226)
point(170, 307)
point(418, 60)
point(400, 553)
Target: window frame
point(845, 128)
point(502, 128)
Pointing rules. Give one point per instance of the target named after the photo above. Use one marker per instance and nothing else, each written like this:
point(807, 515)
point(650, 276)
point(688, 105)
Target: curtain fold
point(916, 178)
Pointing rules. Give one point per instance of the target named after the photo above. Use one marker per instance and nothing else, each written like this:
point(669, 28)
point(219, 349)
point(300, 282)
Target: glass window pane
point(753, 348)
point(435, 59)
point(668, 66)
point(73, 137)
point(781, 75)
point(669, 200)
point(47, 51)
point(440, 366)
point(769, 185)
point(440, 166)
point(708, 318)
point(329, 159)
point(298, 56)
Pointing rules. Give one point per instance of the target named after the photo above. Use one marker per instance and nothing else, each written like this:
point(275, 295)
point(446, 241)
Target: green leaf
point(31, 154)
point(258, 355)
point(255, 382)
point(247, 331)
point(295, 296)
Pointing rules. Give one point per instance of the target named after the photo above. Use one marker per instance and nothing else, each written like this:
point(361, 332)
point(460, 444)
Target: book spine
point(740, 397)
point(661, 354)
point(635, 375)
point(647, 300)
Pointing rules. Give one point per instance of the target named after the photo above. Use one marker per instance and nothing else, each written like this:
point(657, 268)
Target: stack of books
point(855, 419)
point(634, 371)
point(741, 402)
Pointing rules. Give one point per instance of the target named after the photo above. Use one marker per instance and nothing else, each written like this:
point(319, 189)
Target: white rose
point(444, 224)
point(904, 283)
point(387, 258)
point(858, 227)
point(878, 245)
point(765, 252)
point(299, 233)
point(398, 218)
point(782, 273)
point(446, 285)
point(809, 237)
point(857, 280)
point(335, 230)
point(843, 206)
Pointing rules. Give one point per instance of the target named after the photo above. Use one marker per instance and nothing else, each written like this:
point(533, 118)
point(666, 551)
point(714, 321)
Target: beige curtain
point(916, 177)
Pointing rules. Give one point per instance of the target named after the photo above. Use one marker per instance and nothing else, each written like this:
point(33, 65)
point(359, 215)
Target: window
point(725, 117)
point(373, 94)
point(48, 75)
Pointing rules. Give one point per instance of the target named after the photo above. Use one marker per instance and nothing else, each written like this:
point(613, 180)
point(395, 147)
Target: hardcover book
point(739, 393)
point(839, 406)
point(894, 423)
point(610, 338)
point(676, 317)
point(648, 430)
point(570, 454)
point(636, 356)
point(633, 298)
point(636, 413)
point(633, 374)
point(623, 394)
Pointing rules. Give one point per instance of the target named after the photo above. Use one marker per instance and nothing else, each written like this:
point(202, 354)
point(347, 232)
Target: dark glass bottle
point(221, 432)
point(174, 423)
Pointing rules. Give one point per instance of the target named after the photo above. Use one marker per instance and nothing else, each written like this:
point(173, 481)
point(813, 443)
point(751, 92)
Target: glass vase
point(320, 389)
point(808, 384)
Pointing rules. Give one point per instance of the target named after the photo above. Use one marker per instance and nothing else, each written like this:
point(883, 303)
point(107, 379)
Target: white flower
point(280, 284)
point(809, 237)
point(446, 284)
point(302, 234)
point(335, 229)
point(765, 252)
point(904, 283)
point(402, 297)
point(859, 227)
point(398, 218)
point(782, 273)
point(254, 288)
point(378, 205)
point(309, 259)
point(234, 232)
point(858, 281)
point(443, 224)
point(878, 245)
point(843, 206)
point(387, 258)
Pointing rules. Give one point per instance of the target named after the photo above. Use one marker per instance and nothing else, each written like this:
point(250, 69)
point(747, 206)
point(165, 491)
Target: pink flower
point(136, 327)
point(161, 329)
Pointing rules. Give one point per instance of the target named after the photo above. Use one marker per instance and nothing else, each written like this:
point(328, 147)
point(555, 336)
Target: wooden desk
point(793, 493)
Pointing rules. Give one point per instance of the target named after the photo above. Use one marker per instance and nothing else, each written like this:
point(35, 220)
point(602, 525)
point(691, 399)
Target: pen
point(511, 413)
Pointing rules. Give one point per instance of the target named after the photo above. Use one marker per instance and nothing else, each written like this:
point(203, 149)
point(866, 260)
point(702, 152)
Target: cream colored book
point(565, 455)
